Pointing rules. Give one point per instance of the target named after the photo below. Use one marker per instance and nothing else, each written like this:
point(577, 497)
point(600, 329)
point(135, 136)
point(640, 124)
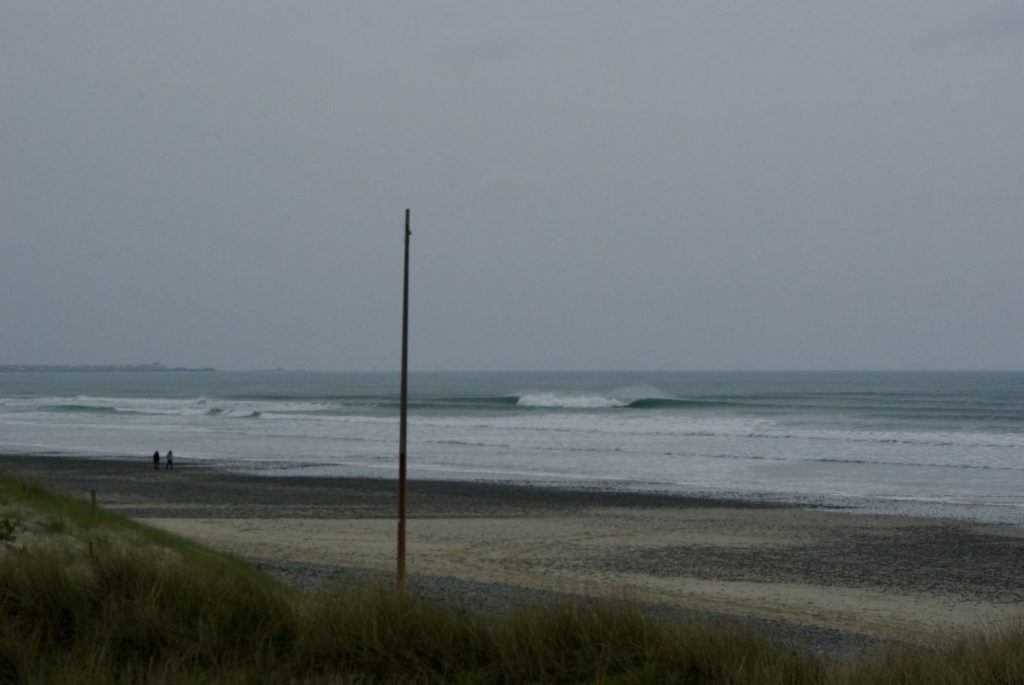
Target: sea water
point(942, 444)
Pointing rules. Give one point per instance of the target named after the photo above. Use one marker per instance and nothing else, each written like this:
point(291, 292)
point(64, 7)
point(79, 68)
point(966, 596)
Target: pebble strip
point(500, 599)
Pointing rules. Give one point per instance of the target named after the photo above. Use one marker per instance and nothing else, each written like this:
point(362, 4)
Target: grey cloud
point(1002, 23)
point(593, 184)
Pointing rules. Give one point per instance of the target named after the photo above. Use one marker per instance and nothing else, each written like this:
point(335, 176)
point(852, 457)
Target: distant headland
point(98, 368)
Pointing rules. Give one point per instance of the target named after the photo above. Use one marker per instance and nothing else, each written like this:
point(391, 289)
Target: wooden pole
point(400, 570)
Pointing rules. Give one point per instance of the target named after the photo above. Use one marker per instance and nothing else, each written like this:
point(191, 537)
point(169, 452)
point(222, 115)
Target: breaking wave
point(636, 397)
point(550, 400)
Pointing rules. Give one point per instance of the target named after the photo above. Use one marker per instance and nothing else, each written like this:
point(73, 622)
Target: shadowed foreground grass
point(145, 606)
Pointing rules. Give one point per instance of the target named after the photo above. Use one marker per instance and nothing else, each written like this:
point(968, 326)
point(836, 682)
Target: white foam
point(550, 400)
point(581, 436)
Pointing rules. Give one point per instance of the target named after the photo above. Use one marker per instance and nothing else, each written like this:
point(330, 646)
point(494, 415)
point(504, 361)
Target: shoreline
point(889, 577)
point(596, 490)
point(368, 496)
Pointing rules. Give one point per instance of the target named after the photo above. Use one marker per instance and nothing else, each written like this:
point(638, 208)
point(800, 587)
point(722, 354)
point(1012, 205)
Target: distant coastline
point(95, 368)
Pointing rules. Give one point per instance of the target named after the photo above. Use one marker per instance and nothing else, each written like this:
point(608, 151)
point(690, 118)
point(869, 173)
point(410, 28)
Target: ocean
point(923, 443)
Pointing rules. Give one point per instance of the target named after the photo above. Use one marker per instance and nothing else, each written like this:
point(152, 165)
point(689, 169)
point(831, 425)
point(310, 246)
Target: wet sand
point(886, 576)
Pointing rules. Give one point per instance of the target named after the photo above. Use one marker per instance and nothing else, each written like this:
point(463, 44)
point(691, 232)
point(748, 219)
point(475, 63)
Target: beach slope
point(901, 578)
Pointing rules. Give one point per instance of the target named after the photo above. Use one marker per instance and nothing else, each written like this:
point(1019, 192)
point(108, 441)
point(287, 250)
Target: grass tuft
point(9, 530)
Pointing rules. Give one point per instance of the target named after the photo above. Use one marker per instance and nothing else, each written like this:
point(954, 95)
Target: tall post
point(400, 571)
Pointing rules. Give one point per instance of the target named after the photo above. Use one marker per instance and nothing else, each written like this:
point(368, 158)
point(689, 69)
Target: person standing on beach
point(170, 461)
point(156, 460)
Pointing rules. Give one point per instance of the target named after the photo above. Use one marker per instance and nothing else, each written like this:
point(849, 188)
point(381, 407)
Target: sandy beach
point(881, 576)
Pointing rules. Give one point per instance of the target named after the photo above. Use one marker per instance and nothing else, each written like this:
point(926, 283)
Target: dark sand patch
point(941, 558)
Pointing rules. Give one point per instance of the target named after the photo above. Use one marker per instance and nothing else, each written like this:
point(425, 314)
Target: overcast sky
point(593, 185)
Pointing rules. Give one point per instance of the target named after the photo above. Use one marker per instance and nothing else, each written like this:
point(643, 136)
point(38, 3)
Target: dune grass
point(141, 605)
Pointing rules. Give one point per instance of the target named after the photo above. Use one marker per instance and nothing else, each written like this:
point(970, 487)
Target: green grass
point(147, 606)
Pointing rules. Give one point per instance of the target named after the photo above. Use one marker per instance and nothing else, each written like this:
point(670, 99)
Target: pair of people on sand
point(169, 460)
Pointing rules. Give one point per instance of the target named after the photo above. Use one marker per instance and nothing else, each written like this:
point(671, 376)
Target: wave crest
point(86, 409)
point(551, 400)
point(634, 397)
